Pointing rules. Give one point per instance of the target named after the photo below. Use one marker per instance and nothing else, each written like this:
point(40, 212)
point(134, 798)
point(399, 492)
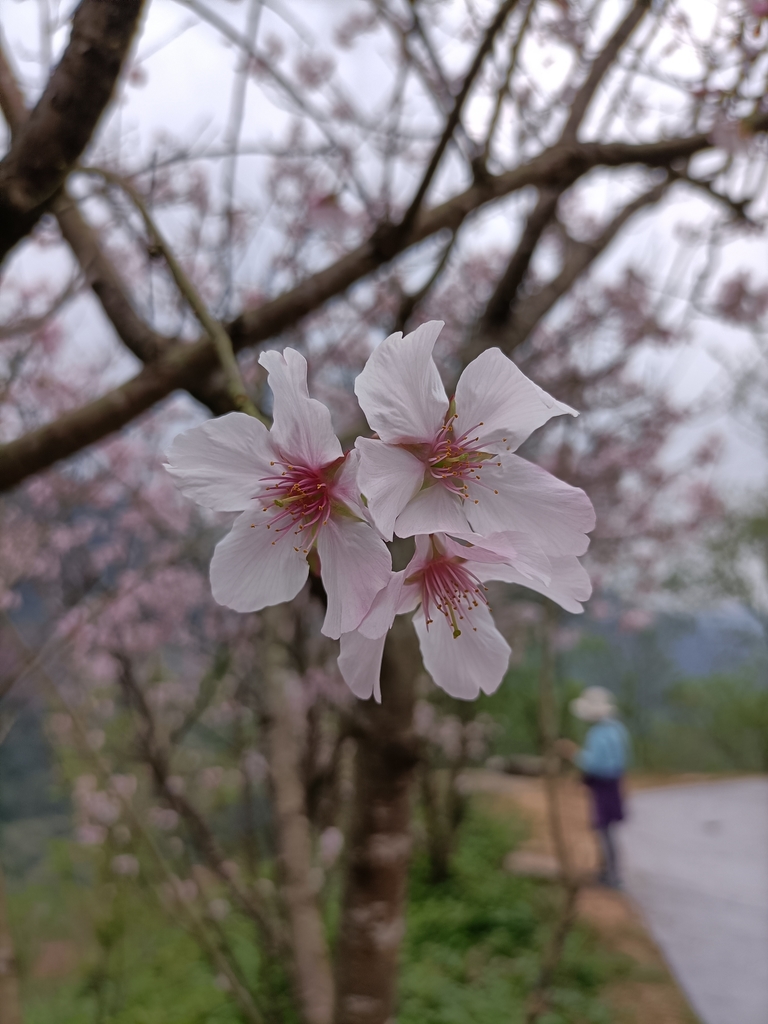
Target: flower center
point(298, 499)
point(455, 460)
point(448, 586)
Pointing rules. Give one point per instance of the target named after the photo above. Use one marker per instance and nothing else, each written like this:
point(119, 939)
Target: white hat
point(594, 704)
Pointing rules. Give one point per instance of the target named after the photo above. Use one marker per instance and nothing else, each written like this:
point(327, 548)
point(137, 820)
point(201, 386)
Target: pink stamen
point(299, 499)
point(456, 460)
point(448, 586)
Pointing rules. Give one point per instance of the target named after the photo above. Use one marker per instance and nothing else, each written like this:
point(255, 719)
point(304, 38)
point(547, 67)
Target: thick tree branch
point(187, 365)
point(12, 101)
point(49, 143)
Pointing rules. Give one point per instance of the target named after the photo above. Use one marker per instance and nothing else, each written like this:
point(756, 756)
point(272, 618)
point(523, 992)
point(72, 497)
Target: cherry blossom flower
point(460, 646)
point(447, 466)
point(297, 492)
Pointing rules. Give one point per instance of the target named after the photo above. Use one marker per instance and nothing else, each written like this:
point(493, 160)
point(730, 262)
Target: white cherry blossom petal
point(400, 390)
point(530, 500)
point(515, 549)
point(301, 427)
point(464, 666)
point(434, 510)
point(355, 565)
point(346, 486)
point(360, 664)
point(569, 586)
point(220, 463)
point(389, 477)
point(386, 605)
point(494, 392)
point(251, 569)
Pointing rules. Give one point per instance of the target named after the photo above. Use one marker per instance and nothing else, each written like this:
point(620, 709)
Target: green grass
point(471, 952)
point(473, 944)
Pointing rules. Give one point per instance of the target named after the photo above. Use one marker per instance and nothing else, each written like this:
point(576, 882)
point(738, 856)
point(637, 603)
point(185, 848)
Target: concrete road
point(696, 863)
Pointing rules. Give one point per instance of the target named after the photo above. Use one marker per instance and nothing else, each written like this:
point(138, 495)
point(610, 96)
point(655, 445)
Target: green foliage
point(473, 945)
point(719, 723)
point(515, 710)
point(471, 952)
point(131, 964)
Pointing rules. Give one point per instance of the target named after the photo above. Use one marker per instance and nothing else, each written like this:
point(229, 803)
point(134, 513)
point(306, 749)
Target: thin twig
point(454, 117)
point(210, 325)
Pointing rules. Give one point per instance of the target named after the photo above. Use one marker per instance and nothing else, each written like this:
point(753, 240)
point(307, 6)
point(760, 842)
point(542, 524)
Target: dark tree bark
point(373, 911)
point(49, 143)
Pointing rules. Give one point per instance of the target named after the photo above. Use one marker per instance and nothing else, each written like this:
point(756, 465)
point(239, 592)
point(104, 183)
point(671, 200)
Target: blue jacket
point(606, 750)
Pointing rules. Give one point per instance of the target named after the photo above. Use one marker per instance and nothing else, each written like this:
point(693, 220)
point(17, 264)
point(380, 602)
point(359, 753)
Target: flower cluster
point(442, 471)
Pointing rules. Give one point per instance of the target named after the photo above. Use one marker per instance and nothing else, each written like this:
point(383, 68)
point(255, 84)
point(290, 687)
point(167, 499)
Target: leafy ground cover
point(102, 950)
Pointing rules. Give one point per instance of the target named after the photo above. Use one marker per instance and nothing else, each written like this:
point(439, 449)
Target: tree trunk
point(10, 1000)
point(312, 964)
point(373, 909)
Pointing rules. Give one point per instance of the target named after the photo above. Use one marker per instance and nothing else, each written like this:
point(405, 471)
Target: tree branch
point(158, 758)
point(187, 365)
point(212, 327)
point(98, 269)
point(502, 303)
point(601, 66)
point(453, 118)
point(47, 145)
point(529, 310)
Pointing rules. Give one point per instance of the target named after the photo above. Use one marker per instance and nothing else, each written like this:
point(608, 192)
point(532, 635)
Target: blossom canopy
point(296, 490)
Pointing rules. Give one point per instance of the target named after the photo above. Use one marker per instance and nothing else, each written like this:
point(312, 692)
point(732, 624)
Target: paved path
point(696, 862)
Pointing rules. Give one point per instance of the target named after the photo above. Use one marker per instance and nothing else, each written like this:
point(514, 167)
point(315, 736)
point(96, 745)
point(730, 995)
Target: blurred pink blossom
point(331, 844)
point(125, 864)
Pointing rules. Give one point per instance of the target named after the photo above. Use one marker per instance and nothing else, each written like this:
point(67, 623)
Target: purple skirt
point(607, 804)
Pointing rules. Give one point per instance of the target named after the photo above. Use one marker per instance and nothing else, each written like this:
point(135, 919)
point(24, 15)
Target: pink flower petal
point(251, 569)
point(433, 510)
point(518, 550)
point(569, 586)
point(473, 662)
point(400, 390)
point(360, 664)
point(355, 565)
point(389, 477)
point(386, 605)
point(220, 463)
point(346, 486)
point(530, 500)
point(301, 428)
point(492, 391)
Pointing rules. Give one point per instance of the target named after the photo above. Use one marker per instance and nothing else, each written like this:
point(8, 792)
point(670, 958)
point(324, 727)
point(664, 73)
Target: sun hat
point(594, 704)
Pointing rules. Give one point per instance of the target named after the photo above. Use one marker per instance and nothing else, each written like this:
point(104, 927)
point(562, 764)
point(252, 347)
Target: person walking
point(603, 763)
